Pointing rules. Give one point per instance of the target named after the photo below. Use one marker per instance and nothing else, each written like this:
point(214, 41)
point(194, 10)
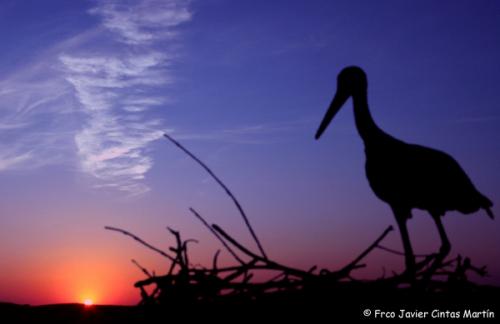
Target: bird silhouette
point(406, 176)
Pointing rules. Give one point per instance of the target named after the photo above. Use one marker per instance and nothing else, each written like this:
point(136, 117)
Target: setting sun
point(88, 302)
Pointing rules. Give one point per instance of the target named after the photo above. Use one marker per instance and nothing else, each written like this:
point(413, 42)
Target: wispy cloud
point(143, 22)
point(9, 161)
point(36, 122)
point(93, 96)
point(115, 90)
point(252, 134)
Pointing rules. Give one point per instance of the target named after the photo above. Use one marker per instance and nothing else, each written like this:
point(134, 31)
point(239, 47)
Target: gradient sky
point(88, 87)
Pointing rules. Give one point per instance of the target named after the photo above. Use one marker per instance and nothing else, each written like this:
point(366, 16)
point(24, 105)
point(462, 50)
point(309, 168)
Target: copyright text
point(436, 313)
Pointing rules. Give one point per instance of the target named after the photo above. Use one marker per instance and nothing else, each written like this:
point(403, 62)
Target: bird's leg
point(443, 250)
point(445, 243)
point(402, 218)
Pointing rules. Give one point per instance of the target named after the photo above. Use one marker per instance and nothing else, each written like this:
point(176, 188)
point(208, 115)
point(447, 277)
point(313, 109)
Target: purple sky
point(87, 88)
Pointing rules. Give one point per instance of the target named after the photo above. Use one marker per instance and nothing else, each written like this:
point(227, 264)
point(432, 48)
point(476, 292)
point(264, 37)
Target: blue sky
point(87, 89)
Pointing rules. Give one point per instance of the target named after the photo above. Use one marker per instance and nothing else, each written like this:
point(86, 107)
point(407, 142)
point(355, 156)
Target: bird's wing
point(443, 177)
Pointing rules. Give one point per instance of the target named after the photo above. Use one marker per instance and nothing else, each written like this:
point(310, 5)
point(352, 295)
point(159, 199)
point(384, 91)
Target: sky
point(87, 88)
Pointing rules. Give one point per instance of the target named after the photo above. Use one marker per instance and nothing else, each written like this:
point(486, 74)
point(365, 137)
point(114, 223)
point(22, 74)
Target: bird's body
point(413, 176)
point(406, 176)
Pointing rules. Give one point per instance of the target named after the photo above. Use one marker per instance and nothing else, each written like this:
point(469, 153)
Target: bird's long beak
point(337, 103)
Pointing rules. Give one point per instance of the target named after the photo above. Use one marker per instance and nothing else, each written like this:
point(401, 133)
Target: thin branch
point(393, 251)
point(240, 271)
point(138, 239)
point(214, 261)
point(228, 248)
point(354, 264)
point(390, 250)
point(236, 243)
point(226, 189)
point(185, 250)
point(144, 270)
point(178, 250)
point(270, 264)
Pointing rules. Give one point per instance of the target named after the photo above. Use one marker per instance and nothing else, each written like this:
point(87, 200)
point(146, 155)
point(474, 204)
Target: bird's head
point(351, 81)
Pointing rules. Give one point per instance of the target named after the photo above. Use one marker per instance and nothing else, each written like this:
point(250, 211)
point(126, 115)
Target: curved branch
point(226, 189)
point(138, 239)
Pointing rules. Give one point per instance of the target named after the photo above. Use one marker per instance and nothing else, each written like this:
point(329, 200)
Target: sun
point(88, 302)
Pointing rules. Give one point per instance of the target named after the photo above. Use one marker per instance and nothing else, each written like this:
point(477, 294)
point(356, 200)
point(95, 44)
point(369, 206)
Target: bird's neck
point(365, 124)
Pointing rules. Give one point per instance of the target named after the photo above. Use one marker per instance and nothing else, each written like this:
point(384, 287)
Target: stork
point(406, 176)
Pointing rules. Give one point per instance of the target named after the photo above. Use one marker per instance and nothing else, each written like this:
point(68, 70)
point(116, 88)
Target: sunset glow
point(88, 88)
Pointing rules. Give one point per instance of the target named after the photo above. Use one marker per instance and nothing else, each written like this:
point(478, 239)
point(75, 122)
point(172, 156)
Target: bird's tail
point(489, 212)
point(486, 204)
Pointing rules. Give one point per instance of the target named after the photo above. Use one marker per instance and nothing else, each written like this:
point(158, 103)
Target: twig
point(241, 270)
point(393, 251)
point(228, 192)
point(236, 243)
point(228, 248)
point(354, 264)
point(214, 261)
point(138, 239)
point(178, 250)
point(144, 270)
point(185, 249)
point(270, 264)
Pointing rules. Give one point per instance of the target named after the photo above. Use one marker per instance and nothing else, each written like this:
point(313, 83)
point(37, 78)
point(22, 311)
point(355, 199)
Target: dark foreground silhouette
point(349, 302)
point(70, 313)
point(406, 176)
